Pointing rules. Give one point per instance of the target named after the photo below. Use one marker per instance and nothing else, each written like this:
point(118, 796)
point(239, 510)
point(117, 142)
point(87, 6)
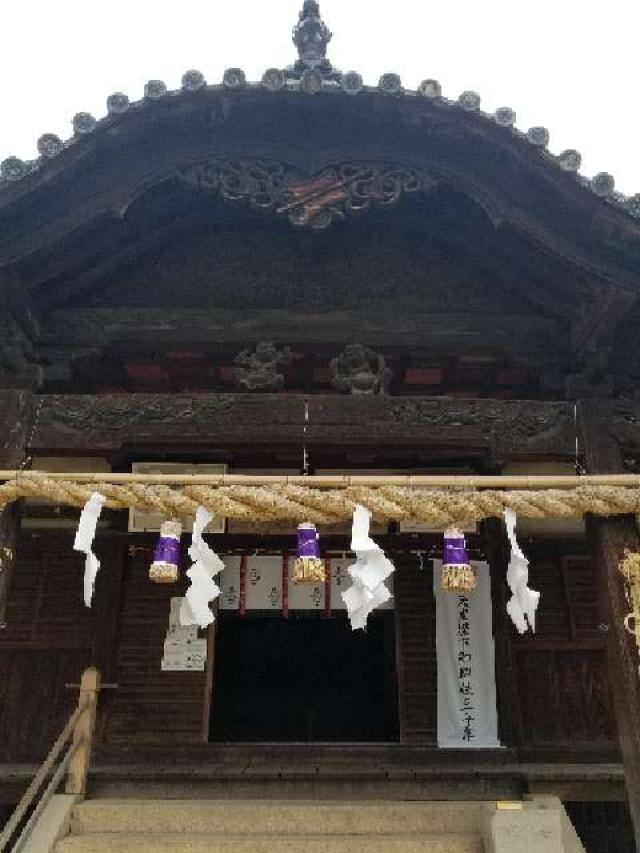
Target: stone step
point(205, 843)
point(276, 817)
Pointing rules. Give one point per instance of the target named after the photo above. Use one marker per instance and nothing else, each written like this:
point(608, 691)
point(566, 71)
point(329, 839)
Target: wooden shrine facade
point(555, 689)
point(394, 280)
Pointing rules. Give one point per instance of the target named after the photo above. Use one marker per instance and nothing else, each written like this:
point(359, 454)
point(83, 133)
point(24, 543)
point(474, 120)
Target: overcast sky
point(570, 65)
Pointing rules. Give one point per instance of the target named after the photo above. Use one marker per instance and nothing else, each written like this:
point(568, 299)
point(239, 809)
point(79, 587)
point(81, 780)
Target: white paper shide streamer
point(523, 603)
point(84, 542)
point(195, 608)
point(368, 573)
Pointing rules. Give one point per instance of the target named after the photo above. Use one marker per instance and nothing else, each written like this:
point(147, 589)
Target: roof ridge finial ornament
point(311, 36)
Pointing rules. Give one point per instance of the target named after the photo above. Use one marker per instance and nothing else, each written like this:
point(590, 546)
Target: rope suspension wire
point(327, 500)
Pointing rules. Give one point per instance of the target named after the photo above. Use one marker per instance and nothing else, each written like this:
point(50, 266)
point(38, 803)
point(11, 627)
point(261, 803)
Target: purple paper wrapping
point(308, 544)
point(454, 552)
point(167, 550)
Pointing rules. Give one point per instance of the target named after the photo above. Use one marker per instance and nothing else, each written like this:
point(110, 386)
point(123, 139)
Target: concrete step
point(204, 843)
point(276, 817)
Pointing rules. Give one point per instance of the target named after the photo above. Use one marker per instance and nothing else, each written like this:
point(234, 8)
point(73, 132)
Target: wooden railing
point(77, 737)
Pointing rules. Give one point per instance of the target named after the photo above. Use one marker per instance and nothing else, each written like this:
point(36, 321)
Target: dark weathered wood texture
point(610, 537)
point(16, 420)
point(111, 172)
point(416, 644)
point(46, 644)
point(110, 423)
point(151, 706)
point(560, 673)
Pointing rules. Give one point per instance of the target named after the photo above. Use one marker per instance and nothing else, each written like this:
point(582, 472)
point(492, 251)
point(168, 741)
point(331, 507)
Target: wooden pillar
point(16, 418)
point(83, 733)
point(609, 537)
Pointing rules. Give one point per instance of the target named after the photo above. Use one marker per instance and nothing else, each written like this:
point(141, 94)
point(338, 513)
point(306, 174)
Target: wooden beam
point(73, 331)
point(16, 420)
point(107, 424)
point(609, 538)
point(340, 481)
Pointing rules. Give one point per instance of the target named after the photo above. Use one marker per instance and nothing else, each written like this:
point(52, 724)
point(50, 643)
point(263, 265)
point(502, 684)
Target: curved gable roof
point(314, 144)
point(312, 74)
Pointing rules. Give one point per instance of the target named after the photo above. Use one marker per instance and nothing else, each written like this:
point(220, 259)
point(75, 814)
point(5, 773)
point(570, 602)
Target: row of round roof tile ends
point(312, 82)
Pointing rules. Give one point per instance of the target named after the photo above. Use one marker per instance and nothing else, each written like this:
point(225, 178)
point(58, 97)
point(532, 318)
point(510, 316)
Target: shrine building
point(249, 297)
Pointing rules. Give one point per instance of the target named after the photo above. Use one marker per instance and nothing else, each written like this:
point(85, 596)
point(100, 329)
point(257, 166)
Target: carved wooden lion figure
point(257, 371)
point(360, 370)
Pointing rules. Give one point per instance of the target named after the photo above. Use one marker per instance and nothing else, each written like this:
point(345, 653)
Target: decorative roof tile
point(603, 184)
point(390, 84)
point(155, 89)
point(469, 101)
point(352, 83)
point(505, 117)
point(83, 123)
point(538, 136)
point(274, 79)
point(50, 145)
point(430, 89)
point(234, 78)
point(570, 160)
point(13, 169)
point(311, 81)
point(117, 103)
point(193, 80)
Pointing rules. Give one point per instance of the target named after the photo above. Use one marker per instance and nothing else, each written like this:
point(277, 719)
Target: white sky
point(570, 65)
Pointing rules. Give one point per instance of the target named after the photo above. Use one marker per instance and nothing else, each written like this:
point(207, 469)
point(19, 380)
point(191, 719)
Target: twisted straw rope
point(286, 502)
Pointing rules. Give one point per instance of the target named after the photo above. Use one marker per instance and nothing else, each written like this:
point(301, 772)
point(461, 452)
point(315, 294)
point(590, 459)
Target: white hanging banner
point(467, 716)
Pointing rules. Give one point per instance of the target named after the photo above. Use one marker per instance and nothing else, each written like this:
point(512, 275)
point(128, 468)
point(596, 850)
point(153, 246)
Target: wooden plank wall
point(47, 643)
point(562, 679)
point(561, 689)
point(151, 706)
point(416, 643)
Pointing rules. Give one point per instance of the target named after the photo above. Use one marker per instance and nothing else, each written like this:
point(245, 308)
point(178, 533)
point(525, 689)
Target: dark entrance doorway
point(304, 678)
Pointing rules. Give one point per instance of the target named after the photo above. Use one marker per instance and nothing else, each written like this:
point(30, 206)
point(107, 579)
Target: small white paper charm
point(195, 608)
point(368, 573)
point(84, 542)
point(523, 603)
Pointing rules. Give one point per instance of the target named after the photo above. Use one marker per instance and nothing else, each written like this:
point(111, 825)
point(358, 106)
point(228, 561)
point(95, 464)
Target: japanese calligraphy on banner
point(467, 716)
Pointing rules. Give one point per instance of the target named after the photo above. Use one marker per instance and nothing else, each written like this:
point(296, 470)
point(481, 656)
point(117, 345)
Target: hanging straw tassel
point(308, 567)
point(166, 555)
point(457, 574)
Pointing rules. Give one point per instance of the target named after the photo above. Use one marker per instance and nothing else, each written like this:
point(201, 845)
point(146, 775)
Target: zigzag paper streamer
point(195, 608)
point(84, 542)
point(523, 603)
point(368, 573)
